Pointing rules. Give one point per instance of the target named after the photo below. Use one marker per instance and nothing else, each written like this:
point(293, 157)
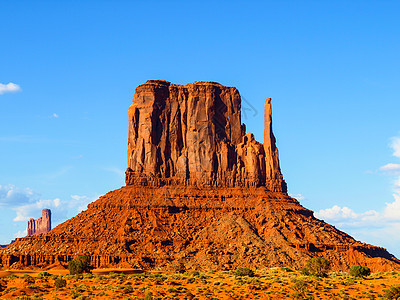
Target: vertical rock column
point(273, 176)
point(41, 225)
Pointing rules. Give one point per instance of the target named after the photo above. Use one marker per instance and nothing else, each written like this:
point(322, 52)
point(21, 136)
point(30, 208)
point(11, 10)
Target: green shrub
point(190, 280)
point(10, 289)
point(393, 293)
point(44, 274)
point(359, 271)
point(149, 296)
point(75, 294)
point(80, 265)
point(29, 280)
point(300, 288)
point(317, 266)
point(240, 271)
point(60, 283)
point(128, 289)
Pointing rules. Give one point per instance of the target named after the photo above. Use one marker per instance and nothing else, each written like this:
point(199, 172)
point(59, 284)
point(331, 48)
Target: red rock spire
point(41, 225)
point(273, 176)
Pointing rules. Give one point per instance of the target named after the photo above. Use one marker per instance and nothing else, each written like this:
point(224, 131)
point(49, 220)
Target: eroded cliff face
point(161, 228)
point(192, 135)
point(41, 225)
point(201, 193)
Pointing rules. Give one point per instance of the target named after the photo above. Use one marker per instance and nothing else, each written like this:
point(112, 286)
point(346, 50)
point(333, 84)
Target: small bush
point(190, 280)
point(33, 287)
point(359, 271)
point(80, 265)
point(149, 296)
point(75, 295)
point(240, 271)
point(44, 274)
point(393, 293)
point(29, 280)
point(60, 283)
point(128, 289)
point(300, 288)
point(317, 266)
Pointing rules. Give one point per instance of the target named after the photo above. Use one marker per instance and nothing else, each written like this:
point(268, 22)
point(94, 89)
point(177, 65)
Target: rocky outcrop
point(199, 229)
point(201, 194)
point(192, 135)
point(41, 225)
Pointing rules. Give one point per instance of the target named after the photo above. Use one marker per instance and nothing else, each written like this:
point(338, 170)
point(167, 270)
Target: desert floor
point(275, 283)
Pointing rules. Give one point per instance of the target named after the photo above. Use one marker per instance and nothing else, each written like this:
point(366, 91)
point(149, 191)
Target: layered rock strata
point(192, 135)
point(185, 227)
point(201, 194)
point(41, 225)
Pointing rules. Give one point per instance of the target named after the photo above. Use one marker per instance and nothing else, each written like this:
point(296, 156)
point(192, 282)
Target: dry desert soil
point(274, 283)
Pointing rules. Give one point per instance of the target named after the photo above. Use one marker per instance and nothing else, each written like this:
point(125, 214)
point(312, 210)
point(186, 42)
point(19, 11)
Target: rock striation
point(200, 193)
point(41, 225)
point(192, 135)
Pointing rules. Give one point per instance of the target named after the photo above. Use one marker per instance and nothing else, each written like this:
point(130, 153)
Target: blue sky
point(69, 69)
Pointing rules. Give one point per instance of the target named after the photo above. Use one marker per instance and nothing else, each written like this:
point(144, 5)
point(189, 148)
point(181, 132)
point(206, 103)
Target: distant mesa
point(201, 193)
point(41, 225)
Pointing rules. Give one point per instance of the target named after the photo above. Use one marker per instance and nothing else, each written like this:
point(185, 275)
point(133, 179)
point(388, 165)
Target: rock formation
point(201, 194)
point(41, 225)
point(192, 135)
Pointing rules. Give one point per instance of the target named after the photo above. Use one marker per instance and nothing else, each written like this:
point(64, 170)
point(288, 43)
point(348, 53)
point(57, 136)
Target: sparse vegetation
point(392, 293)
point(80, 265)
point(44, 274)
point(317, 266)
point(242, 271)
point(359, 271)
point(275, 283)
point(60, 283)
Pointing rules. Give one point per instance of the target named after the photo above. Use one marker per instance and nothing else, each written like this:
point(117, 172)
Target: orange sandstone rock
point(192, 135)
point(200, 194)
point(41, 225)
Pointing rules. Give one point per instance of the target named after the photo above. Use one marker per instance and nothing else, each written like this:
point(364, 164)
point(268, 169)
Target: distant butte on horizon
point(200, 194)
point(41, 225)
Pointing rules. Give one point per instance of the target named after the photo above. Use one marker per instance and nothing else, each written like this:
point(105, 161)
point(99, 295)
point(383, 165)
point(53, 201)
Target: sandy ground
point(275, 283)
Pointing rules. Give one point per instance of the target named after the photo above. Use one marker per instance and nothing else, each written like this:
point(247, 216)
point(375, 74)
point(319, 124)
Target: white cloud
point(298, 197)
point(33, 210)
point(392, 210)
point(60, 209)
point(336, 213)
point(379, 227)
point(395, 145)
point(391, 168)
point(28, 204)
point(81, 202)
point(11, 196)
point(9, 88)
point(21, 233)
point(55, 115)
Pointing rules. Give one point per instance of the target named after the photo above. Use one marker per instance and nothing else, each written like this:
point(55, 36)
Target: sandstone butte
point(41, 225)
point(200, 193)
